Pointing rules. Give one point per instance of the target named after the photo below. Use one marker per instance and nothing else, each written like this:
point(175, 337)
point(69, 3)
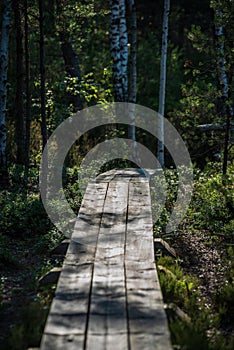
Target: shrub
point(225, 296)
point(22, 214)
point(176, 286)
point(28, 333)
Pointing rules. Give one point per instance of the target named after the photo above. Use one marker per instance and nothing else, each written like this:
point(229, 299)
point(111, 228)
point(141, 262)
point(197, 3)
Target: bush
point(209, 207)
point(28, 333)
point(201, 330)
point(212, 204)
point(225, 296)
point(22, 214)
point(176, 286)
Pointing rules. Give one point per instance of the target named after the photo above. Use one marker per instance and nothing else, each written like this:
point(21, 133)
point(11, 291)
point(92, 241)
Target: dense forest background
point(59, 60)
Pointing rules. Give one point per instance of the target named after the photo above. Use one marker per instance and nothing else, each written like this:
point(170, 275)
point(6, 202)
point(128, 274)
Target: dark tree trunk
point(42, 74)
point(19, 101)
point(162, 88)
point(43, 99)
point(3, 90)
point(72, 68)
point(71, 59)
point(226, 109)
point(27, 85)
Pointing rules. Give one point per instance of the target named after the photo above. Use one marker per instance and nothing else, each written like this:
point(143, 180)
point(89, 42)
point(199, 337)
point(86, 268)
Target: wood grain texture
point(108, 296)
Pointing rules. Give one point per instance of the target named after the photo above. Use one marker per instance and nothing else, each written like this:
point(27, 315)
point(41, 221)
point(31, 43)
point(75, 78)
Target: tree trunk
point(132, 73)
point(226, 108)
point(162, 89)
point(71, 61)
point(124, 49)
point(115, 50)
point(72, 68)
point(3, 84)
point(133, 51)
point(119, 49)
point(19, 101)
point(42, 74)
point(43, 100)
point(27, 85)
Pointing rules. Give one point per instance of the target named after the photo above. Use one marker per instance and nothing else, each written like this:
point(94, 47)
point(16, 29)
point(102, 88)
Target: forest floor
point(207, 260)
point(199, 256)
point(19, 281)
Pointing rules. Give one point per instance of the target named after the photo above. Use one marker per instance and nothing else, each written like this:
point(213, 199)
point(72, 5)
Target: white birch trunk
point(115, 49)
point(124, 49)
point(221, 62)
point(162, 89)
point(132, 75)
point(119, 49)
point(3, 79)
point(133, 51)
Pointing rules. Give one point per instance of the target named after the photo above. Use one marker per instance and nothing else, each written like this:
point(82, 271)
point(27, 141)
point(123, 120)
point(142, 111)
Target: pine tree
point(3, 82)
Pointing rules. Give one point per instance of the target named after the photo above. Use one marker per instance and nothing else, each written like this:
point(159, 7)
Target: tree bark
point(226, 108)
point(3, 83)
point(133, 51)
point(19, 100)
point(132, 73)
point(124, 49)
point(119, 49)
point(72, 68)
point(162, 89)
point(115, 50)
point(42, 74)
point(27, 86)
point(71, 60)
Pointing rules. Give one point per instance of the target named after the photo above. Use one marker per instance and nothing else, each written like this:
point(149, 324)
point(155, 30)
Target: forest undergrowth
point(199, 281)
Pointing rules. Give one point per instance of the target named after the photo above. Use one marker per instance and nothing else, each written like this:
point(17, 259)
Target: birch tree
point(124, 88)
point(132, 72)
point(124, 49)
point(119, 49)
point(226, 108)
point(162, 89)
point(3, 80)
point(133, 50)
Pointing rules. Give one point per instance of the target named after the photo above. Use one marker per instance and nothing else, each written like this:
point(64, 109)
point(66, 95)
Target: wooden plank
point(150, 341)
point(63, 342)
point(108, 295)
point(108, 316)
point(69, 310)
point(87, 224)
point(139, 223)
point(109, 342)
point(148, 327)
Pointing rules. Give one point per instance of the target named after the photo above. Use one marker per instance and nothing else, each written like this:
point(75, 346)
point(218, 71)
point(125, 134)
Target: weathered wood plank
point(62, 342)
point(69, 310)
point(87, 225)
point(108, 295)
point(139, 223)
point(147, 318)
point(108, 315)
point(110, 341)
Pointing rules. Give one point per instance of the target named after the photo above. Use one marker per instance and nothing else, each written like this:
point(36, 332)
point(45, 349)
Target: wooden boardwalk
point(108, 295)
